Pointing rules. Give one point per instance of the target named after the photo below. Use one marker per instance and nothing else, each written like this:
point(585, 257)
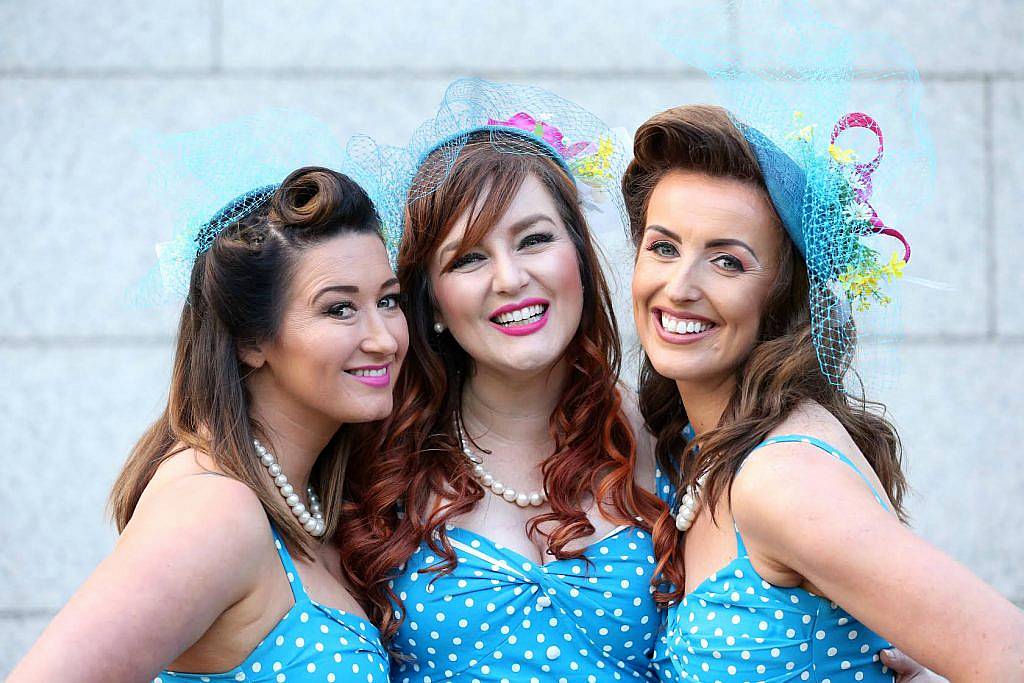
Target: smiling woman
point(785, 545)
point(501, 527)
point(291, 331)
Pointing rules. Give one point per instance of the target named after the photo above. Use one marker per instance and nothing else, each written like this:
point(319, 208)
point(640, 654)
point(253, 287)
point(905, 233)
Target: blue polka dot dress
point(501, 617)
point(735, 626)
point(312, 642)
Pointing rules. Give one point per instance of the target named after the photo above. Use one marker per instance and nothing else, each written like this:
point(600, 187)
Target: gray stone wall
point(82, 374)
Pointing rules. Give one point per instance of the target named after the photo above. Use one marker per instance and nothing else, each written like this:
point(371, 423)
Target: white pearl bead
point(287, 490)
point(487, 480)
point(297, 510)
point(310, 525)
point(536, 500)
point(274, 469)
point(292, 500)
point(281, 480)
point(479, 470)
point(682, 524)
point(267, 458)
point(509, 494)
point(498, 487)
point(522, 500)
point(305, 517)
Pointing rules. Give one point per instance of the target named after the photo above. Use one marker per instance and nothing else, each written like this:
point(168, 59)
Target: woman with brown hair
point(501, 526)
point(291, 330)
point(790, 488)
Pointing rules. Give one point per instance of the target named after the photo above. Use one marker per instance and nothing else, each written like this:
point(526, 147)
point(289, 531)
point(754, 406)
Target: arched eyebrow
point(710, 244)
point(732, 243)
point(516, 228)
point(352, 289)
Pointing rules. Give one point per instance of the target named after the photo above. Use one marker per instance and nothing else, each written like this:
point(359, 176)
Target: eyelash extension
point(338, 307)
point(738, 264)
point(540, 237)
point(653, 247)
point(463, 260)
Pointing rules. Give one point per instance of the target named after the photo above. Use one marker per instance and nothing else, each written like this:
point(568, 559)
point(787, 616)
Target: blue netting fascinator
point(218, 176)
point(591, 153)
point(812, 100)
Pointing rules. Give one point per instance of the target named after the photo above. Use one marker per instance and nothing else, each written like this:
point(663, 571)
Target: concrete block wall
point(83, 373)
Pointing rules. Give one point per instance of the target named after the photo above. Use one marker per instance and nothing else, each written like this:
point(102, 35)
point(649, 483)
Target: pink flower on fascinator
point(545, 132)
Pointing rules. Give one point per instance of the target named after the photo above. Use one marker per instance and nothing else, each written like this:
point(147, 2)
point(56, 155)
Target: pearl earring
point(439, 327)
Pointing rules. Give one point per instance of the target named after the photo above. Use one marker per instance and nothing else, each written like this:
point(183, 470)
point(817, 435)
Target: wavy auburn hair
point(236, 297)
point(414, 459)
point(781, 371)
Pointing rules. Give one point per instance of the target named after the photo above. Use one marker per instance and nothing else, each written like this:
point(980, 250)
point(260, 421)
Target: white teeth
point(680, 326)
point(526, 313)
point(379, 372)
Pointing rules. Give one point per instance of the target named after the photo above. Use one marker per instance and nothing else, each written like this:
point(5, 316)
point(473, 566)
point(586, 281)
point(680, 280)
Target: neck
point(297, 435)
point(513, 409)
point(705, 401)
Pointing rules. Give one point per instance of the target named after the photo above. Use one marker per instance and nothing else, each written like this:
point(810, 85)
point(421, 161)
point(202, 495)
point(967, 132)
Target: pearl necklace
point(520, 498)
point(312, 520)
point(689, 506)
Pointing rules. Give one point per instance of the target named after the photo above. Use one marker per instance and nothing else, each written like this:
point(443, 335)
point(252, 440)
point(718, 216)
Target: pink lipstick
point(534, 316)
point(372, 375)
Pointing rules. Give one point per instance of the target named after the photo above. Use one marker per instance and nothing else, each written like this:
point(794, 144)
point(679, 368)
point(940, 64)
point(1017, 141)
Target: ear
point(252, 355)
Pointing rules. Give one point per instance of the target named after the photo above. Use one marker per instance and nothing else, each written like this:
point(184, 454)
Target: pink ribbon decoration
point(864, 171)
point(545, 132)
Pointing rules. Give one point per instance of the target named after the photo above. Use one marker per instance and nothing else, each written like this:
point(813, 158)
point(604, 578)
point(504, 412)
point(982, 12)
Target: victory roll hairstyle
point(237, 293)
point(781, 372)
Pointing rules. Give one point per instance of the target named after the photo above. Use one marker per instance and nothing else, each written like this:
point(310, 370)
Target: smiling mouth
point(369, 372)
point(684, 326)
point(527, 315)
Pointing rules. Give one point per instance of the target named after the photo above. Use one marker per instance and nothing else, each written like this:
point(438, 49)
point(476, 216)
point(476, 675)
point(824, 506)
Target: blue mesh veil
point(219, 175)
point(516, 119)
point(812, 99)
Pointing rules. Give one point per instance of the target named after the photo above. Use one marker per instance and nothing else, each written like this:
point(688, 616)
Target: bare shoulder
point(645, 441)
point(788, 481)
point(196, 510)
point(812, 419)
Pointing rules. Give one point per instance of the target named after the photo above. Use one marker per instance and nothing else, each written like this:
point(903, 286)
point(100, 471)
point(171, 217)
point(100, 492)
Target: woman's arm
point(185, 557)
point(800, 510)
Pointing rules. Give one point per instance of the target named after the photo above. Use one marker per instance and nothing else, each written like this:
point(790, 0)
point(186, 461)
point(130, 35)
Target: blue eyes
point(663, 249)
point(726, 262)
point(730, 263)
point(532, 240)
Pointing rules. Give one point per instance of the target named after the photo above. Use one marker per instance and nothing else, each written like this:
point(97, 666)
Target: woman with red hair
point(501, 517)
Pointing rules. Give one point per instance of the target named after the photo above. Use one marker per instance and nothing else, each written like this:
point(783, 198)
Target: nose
point(508, 276)
point(684, 285)
point(377, 337)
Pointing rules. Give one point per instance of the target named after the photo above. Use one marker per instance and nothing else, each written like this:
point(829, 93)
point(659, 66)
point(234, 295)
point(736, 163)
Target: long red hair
point(412, 461)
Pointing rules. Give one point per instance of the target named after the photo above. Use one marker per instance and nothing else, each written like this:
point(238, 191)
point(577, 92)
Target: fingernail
point(889, 652)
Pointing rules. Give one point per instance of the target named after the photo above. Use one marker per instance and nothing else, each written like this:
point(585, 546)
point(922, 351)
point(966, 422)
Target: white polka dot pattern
point(734, 627)
point(312, 642)
point(498, 616)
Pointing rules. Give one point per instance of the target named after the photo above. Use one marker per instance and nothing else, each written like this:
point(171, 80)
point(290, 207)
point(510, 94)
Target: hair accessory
point(794, 72)
point(242, 163)
point(590, 152)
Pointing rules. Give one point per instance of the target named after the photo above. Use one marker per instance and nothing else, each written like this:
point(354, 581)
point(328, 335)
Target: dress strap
point(741, 548)
point(294, 582)
point(831, 450)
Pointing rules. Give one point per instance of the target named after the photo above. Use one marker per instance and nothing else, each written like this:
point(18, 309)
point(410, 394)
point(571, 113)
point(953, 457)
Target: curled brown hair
point(237, 294)
point(781, 371)
point(414, 458)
